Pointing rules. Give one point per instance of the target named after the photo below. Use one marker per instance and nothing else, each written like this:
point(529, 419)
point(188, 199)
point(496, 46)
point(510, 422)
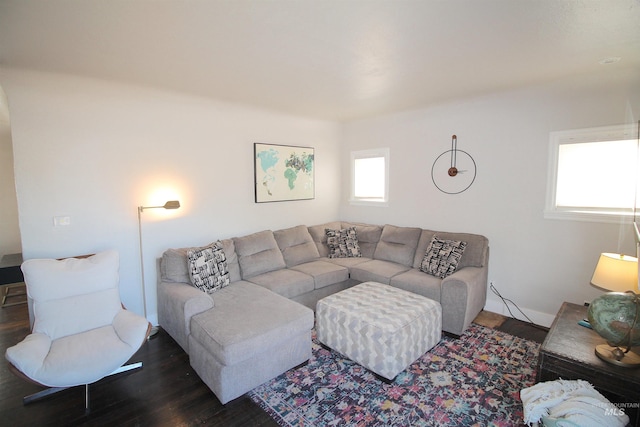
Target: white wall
point(9, 231)
point(537, 263)
point(94, 151)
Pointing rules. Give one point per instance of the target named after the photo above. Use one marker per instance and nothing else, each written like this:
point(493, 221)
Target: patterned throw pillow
point(442, 257)
point(208, 269)
point(343, 243)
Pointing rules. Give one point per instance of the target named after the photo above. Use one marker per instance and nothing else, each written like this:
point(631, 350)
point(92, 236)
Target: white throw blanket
point(574, 401)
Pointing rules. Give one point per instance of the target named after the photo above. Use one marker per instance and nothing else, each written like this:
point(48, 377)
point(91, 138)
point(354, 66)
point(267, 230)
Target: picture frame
point(283, 172)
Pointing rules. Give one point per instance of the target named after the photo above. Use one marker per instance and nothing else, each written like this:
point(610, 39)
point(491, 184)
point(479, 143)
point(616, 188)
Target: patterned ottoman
point(383, 328)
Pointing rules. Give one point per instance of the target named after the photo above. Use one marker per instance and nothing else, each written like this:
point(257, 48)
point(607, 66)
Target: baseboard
point(539, 318)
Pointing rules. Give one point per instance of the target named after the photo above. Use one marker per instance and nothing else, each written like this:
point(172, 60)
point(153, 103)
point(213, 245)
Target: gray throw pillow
point(442, 257)
point(208, 268)
point(343, 243)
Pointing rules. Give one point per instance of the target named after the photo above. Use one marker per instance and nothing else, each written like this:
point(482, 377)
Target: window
point(593, 174)
point(370, 177)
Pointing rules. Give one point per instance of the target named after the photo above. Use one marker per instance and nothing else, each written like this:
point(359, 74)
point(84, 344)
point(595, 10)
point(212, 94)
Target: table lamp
point(615, 316)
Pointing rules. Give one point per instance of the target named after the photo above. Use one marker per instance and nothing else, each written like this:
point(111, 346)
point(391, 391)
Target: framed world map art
point(283, 172)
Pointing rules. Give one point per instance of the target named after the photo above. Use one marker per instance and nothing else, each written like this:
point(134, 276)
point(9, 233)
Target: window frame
point(367, 154)
point(596, 134)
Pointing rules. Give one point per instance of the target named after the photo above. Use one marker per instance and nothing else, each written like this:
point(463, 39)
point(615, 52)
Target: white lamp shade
point(616, 273)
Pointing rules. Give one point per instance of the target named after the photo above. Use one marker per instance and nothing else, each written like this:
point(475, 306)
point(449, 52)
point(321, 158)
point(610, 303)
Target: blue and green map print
point(283, 173)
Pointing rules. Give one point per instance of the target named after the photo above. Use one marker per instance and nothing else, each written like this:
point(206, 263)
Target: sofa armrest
point(464, 294)
point(177, 303)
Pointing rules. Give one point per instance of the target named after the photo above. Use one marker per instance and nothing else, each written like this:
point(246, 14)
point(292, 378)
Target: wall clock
point(454, 170)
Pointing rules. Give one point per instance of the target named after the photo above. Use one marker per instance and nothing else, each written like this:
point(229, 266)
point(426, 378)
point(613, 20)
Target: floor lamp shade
point(171, 204)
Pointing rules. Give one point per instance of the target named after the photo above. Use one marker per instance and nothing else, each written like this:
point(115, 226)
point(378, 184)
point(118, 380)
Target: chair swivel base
point(41, 394)
point(52, 390)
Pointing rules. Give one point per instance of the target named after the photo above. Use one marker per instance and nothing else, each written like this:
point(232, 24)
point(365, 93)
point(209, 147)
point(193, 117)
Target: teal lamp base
point(615, 316)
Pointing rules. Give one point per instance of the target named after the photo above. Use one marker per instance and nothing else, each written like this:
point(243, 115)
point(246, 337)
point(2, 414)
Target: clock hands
point(453, 170)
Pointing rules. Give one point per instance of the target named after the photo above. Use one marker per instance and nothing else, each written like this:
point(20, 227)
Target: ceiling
point(330, 59)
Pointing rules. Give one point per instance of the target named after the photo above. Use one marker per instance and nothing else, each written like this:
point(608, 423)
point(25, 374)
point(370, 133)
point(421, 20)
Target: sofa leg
point(302, 365)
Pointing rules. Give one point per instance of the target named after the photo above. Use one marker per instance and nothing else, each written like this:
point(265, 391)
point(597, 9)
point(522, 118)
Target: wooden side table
point(568, 352)
point(10, 269)
point(11, 278)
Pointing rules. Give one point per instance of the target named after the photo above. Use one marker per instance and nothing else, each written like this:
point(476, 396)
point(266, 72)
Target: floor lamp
point(172, 204)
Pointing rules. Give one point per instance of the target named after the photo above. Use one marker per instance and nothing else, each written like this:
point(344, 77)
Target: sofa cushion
point(377, 270)
point(246, 320)
point(320, 237)
point(286, 282)
point(343, 243)
point(346, 262)
point(419, 283)
point(323, 273)
point(442, 257)
point(368, 237)
point(174, 267)
point(475, 254)
point(208, 269)
point(398, 244)
point(297, 245)
point(258, 253)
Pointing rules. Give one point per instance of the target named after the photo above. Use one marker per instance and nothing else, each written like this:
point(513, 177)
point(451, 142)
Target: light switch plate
point(61, 221)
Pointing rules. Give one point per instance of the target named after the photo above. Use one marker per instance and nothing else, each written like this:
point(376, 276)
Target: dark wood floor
point(165, 392)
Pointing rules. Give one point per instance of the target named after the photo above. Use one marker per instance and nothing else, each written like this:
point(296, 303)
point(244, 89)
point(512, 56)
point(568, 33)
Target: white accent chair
point(81, 332)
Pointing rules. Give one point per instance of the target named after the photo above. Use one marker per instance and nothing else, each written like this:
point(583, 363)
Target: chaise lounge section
point(259, 325)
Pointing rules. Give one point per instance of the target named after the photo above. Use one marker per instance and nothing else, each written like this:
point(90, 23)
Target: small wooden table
point(11, 278)
point(568, 352)
point(10, 269)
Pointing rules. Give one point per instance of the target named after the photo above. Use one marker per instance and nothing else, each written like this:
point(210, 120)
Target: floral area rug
point(472, 381)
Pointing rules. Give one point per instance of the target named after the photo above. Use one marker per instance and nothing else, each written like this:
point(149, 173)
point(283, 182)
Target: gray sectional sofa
point(260, 325)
